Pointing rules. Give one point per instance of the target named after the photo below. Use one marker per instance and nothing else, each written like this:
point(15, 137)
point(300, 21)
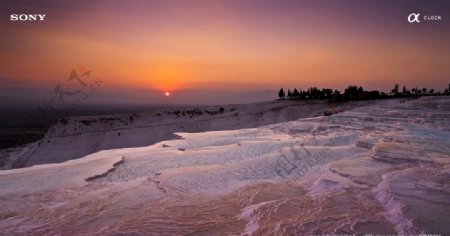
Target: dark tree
point(281, 94)
point(296, 94)
point(424, 91)
point(289, 95)
point(395, 90)
point(327, 92)
point(351, 92)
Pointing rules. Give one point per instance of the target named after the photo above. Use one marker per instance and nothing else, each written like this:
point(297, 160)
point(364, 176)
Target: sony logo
point(27, 17)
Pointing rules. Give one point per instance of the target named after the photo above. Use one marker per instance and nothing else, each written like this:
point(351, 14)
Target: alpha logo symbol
point(414, 17)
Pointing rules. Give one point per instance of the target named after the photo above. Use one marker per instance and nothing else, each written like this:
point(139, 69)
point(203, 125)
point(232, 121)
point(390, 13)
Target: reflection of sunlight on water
point(365, 171)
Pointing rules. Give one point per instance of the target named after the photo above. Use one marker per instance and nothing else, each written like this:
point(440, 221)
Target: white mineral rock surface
point(383, 168)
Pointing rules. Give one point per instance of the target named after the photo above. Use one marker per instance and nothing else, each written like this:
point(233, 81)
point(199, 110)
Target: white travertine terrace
point(380, 169)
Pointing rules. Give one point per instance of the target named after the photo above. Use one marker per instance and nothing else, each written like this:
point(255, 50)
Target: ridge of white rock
point(76, 137)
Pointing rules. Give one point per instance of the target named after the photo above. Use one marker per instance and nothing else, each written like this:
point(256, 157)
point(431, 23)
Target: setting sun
point(167, 93)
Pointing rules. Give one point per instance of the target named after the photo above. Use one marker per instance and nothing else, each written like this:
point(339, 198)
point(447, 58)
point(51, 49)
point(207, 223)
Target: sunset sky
point(228, 46)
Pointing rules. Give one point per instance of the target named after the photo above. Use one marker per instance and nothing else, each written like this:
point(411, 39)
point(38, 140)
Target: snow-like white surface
point(90, 134)
point(56, 176)
point(369, 170)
